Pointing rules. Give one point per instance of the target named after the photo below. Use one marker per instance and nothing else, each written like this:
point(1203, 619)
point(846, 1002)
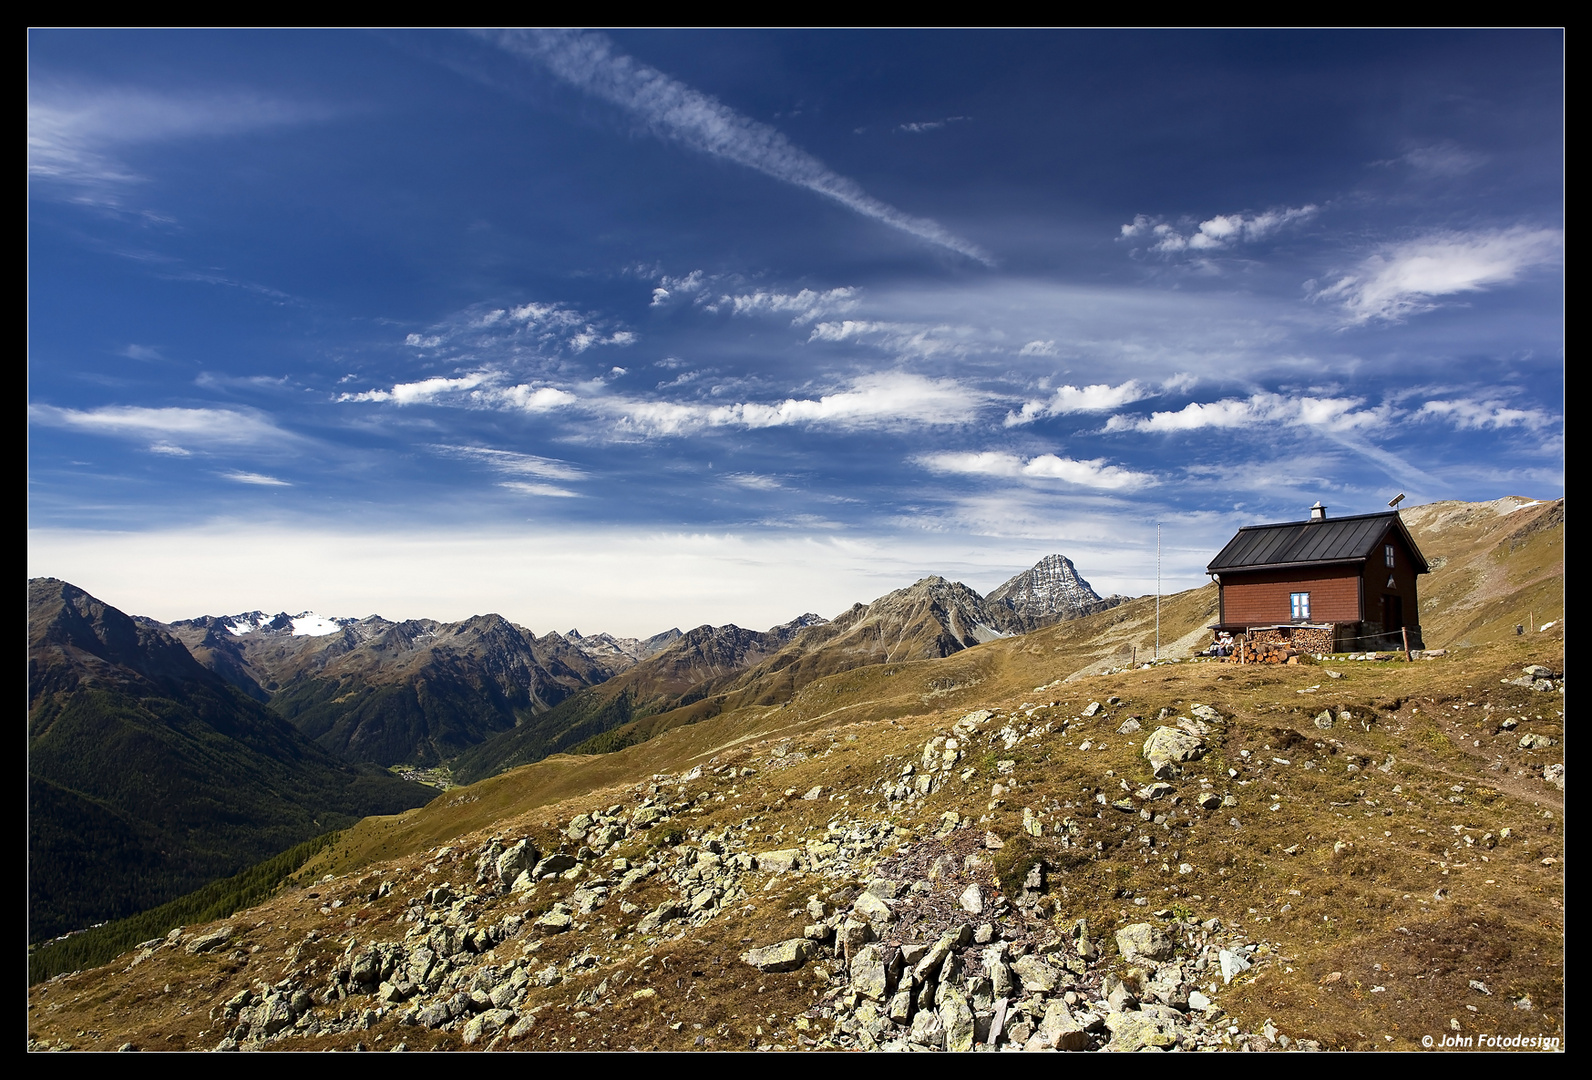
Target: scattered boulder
point(1168, 744)
point(214, 939)
point(781, 956)
point(1144, 941)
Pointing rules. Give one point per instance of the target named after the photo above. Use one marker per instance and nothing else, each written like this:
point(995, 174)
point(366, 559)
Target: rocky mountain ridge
point(149, 775)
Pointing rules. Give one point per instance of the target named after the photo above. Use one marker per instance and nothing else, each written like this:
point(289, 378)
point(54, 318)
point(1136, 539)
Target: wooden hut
point(1322, 585)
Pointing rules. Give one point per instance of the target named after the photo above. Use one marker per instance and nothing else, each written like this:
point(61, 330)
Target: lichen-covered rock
point(213, 939)
point(1143, 941)
point(956, 1018)
point(870, 974)
point(780, 862)
point(488, 1023)
point(1170, 744)
point(781, 956)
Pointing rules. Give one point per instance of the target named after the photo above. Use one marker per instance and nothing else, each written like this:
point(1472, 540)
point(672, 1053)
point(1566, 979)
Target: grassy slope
point(1364, 878)
point(1494, 568)
point(1343, 875)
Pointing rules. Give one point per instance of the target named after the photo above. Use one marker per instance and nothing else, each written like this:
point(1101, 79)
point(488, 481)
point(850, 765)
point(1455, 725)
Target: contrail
point(674, 110)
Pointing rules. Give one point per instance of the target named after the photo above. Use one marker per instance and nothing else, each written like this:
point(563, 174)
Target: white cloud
point(172, 429)
point(674, 110)
point(1405, 279)
point(1100, 397)
point(886, 400)
point(255, 478)
point(668, 286)
point(1039, 348)
point(847, 329)
point(803, 306)
point(1334, 414)
point(1471, 413)
point(1094, 473)
point(419, 393)
point(485, 331)
point(1216, 233)
point(527, 398)
point(480, 389)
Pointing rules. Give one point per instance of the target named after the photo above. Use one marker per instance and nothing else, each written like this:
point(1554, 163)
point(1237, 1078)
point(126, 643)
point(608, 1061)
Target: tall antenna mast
point(1158, 590)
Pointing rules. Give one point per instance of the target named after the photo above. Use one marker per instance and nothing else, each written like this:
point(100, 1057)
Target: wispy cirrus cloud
point(1216, 233)
point(79, 132)
point(1444, 160)
point(753, 481)
point(1408, 278)
point(922, 127)
point(172, 431)
point(673, 110)
point(513, 463)
point(1094, 473)
point(257, 479)
point(517, 468)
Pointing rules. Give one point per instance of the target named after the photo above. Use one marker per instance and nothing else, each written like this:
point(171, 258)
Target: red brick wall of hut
point(1262, 596)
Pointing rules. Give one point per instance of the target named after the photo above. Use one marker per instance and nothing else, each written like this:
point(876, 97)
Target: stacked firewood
point(1263, 652)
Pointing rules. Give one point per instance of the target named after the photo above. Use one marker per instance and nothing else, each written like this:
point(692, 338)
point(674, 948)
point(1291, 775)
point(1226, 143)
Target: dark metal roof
point(1312, 543)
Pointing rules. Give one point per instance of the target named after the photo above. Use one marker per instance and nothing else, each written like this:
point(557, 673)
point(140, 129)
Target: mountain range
point(162, 756)
point(487, 694)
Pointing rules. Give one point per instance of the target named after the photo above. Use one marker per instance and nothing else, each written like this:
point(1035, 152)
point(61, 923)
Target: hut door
point(1392, 614)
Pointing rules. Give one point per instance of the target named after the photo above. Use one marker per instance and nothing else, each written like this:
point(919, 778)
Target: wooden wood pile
point(1263, 652)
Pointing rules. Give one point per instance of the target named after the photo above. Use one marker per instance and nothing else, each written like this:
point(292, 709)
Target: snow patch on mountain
point(304, 624)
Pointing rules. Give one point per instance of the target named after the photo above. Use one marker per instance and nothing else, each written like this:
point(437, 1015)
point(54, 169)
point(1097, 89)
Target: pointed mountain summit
point(1051, 591)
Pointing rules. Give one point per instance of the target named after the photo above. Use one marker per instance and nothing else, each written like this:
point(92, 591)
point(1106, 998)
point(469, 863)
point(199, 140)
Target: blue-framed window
point(1299, 604)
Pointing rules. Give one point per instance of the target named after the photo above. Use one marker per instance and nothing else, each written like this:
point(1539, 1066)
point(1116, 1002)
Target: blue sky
point(633, 329)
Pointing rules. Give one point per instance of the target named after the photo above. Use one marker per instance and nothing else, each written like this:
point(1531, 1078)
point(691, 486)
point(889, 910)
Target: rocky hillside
point(148, 775)
point(944, 854)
